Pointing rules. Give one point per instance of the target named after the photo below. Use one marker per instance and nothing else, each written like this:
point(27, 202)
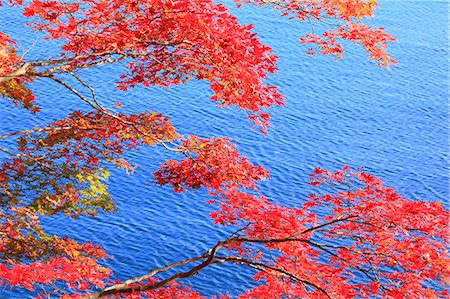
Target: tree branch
point(126, 287)
point(264, 267)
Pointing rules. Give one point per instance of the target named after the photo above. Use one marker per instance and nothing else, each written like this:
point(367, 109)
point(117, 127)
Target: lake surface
point(394, 123)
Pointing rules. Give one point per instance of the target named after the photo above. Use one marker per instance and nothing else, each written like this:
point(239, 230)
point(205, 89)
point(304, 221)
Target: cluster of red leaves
point(23, 239)
point(215, 164)
point(31, 259)
point(396, 247)
point(346, 16)
point(14, 88)
point(78, 274)
point(211, 163)
point(166, 43)
point(8, 57)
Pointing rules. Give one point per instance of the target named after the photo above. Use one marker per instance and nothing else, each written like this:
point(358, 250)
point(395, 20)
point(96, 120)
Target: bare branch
point(128, 288)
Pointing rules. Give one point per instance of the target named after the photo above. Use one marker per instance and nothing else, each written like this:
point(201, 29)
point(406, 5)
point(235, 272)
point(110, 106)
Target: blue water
point(395, 123)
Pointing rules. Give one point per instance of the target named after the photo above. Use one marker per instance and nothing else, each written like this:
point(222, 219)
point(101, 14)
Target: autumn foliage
point(353, 237)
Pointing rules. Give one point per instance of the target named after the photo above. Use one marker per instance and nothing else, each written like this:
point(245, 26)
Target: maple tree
point(356, 239)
